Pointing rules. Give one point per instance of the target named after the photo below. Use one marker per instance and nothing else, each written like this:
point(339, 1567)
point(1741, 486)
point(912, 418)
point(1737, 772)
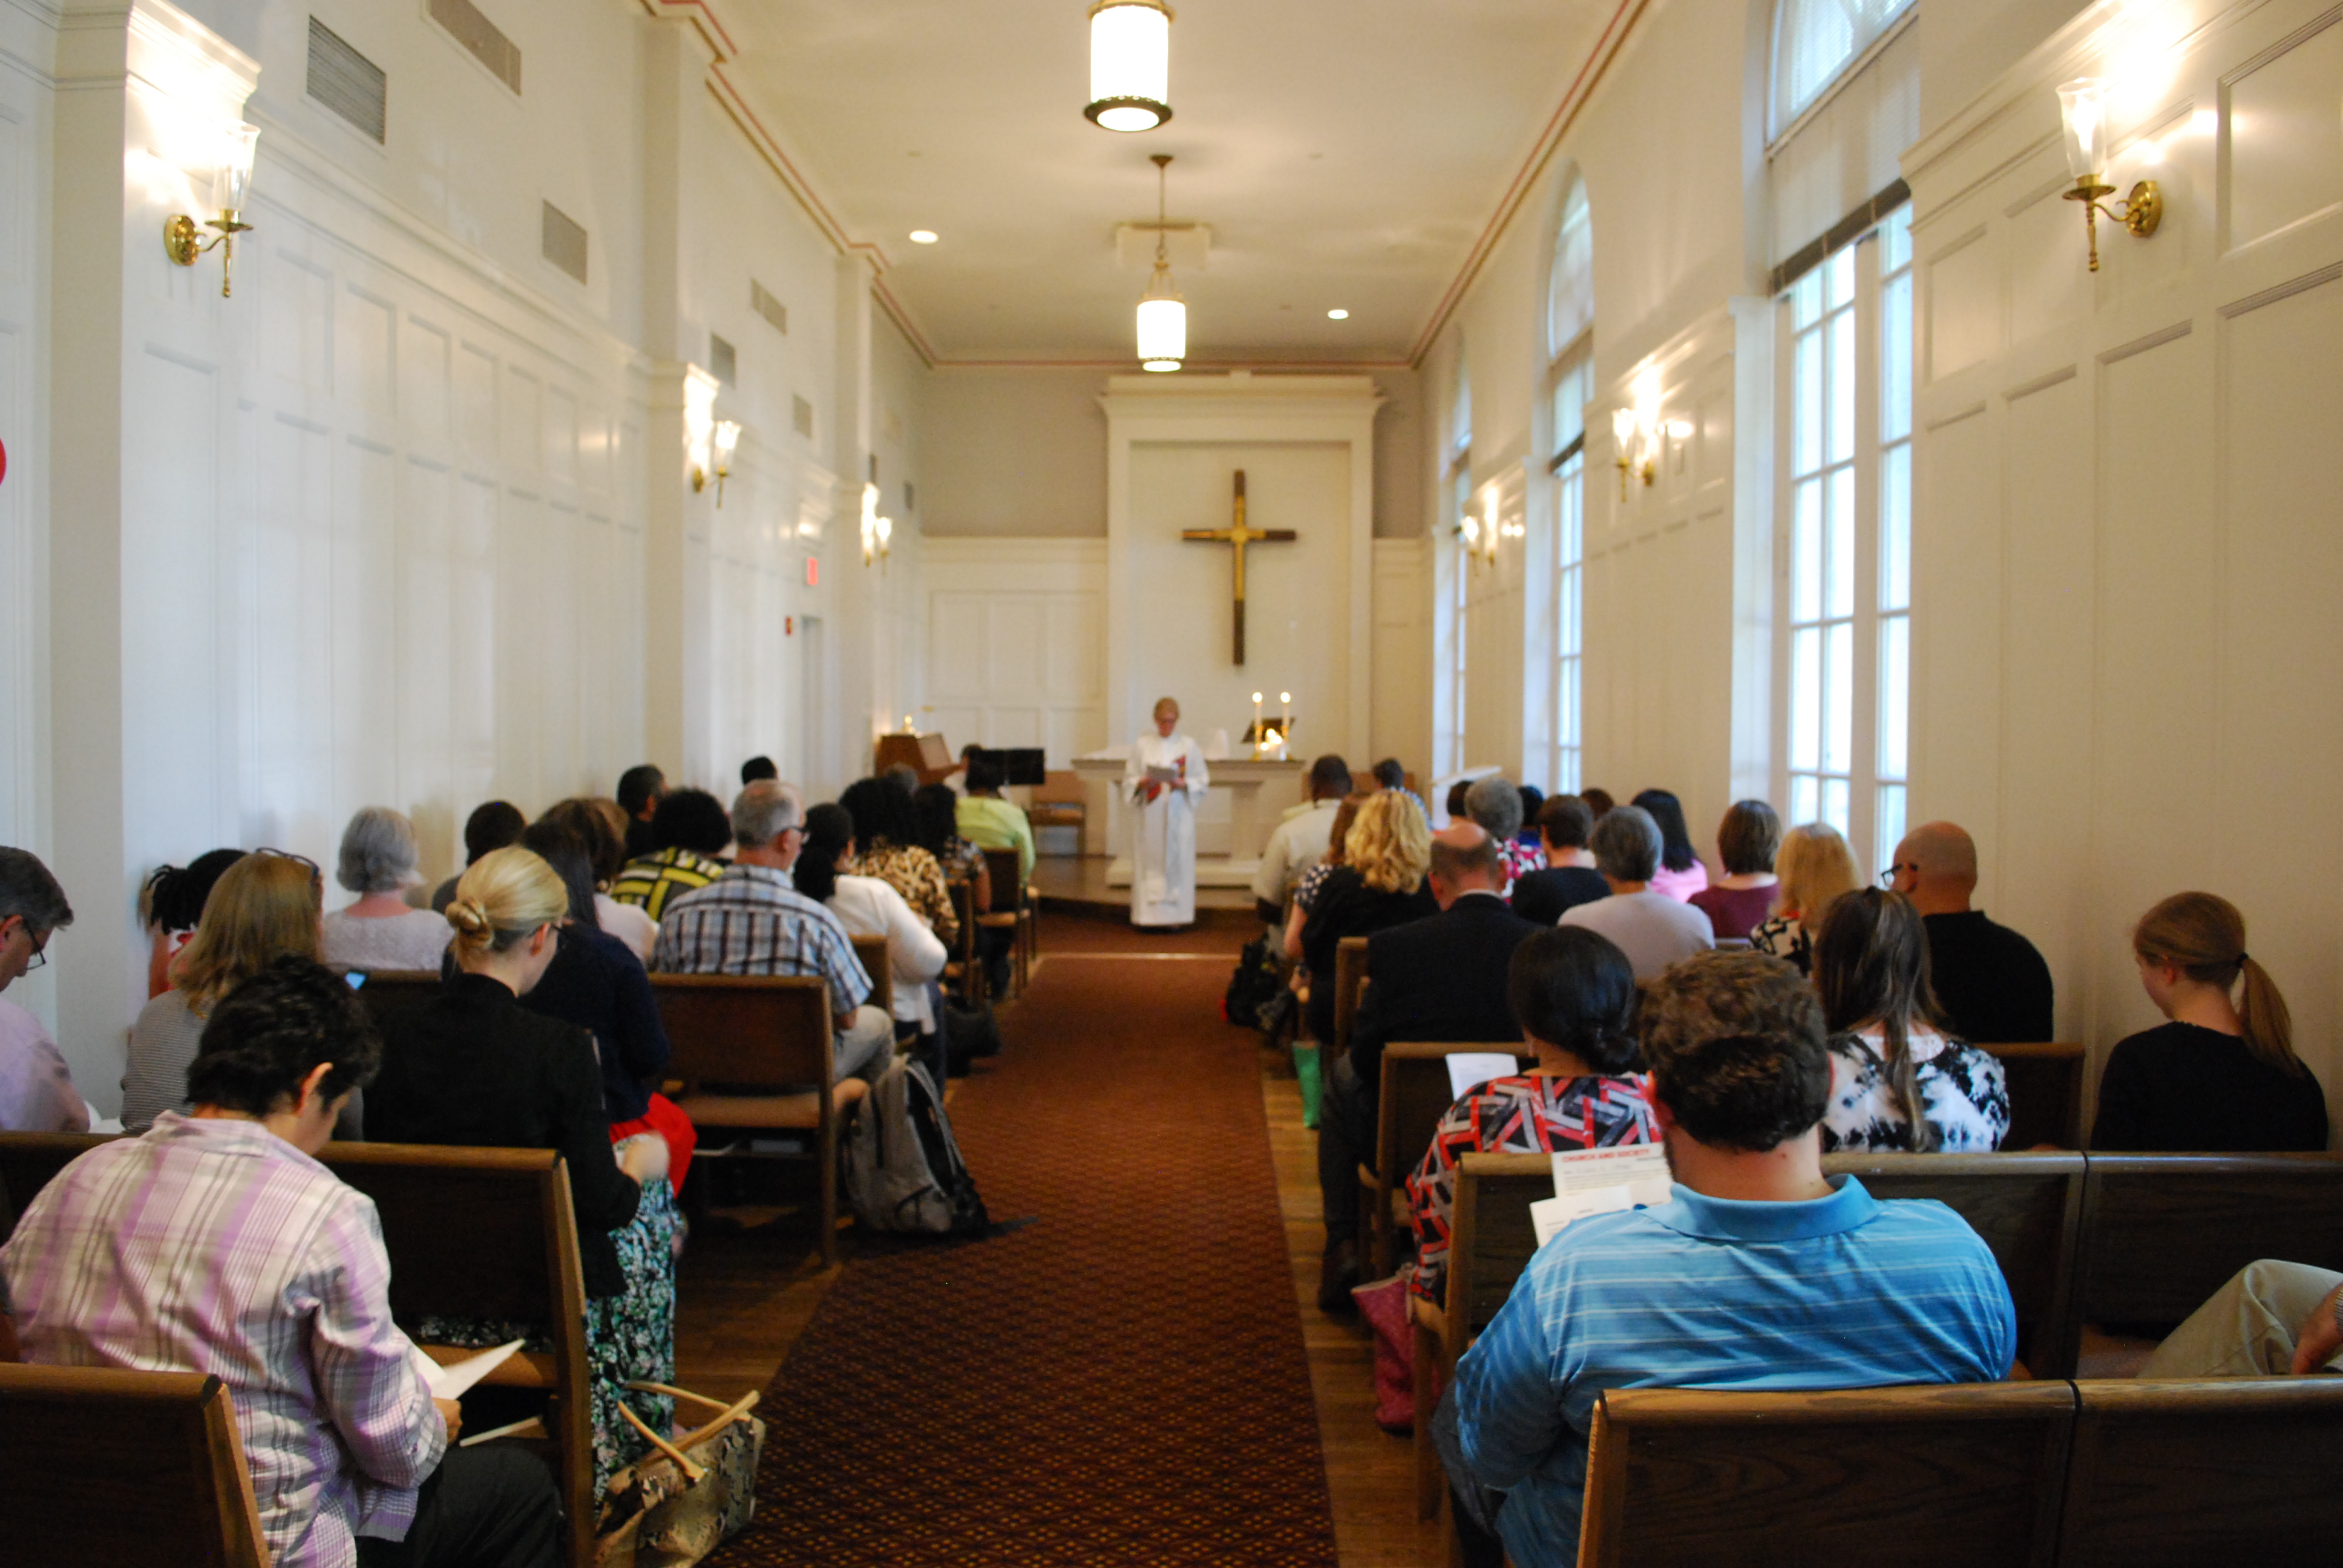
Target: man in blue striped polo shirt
point(1761, 1274)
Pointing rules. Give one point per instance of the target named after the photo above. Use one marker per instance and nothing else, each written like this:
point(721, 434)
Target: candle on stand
point(1284, 723)
point(1257, 735)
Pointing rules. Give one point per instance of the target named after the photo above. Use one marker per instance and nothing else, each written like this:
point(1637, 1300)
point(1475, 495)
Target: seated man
point(1653, 929)
point(1443, 978)
point(1568, 877)
point(1991, 982)
point(1299, 841)
point(2272, 1319)
point(1761, 1274)
point(1496, 806)
point(37, 1088)
point(690, 831)
point(1390, 774)
point(216, 1242)
point(753, 920)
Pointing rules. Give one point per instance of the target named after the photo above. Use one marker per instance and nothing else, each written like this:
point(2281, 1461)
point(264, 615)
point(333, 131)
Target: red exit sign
point(813, 571)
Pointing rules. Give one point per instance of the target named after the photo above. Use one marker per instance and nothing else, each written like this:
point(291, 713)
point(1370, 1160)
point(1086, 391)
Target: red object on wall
point(813, 571)
point(789, 626)
point(4, 460)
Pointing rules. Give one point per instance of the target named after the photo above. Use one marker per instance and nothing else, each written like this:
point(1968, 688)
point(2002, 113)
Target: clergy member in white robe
point(1164, 819)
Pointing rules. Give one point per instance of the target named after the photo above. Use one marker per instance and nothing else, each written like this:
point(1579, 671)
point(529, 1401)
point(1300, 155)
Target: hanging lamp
point(1131, 64)
point(1162, 315)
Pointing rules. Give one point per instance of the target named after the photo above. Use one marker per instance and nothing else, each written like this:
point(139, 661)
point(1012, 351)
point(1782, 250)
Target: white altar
point(1246, 802)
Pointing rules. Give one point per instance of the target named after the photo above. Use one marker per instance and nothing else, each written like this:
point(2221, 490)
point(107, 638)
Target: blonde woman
point(470, 1065)
point(1380, 884)
point(2221, 1075)
point(1815, 867)
point(264, 908)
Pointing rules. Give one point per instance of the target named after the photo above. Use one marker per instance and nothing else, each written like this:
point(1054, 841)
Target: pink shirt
point(1680, 885)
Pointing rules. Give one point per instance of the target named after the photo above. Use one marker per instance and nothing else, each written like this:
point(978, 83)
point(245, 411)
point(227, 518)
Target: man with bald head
point(1440, 978)
point(1991, 982)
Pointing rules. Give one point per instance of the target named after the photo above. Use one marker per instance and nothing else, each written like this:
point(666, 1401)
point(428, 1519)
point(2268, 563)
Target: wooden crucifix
point(1238, 536)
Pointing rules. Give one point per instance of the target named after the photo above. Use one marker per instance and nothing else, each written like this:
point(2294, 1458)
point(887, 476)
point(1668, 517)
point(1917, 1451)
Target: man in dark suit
point(1439, 979)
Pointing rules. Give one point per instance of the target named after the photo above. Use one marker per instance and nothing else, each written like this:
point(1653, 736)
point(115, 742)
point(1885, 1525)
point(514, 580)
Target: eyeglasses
point(1887, 876)
point(316, 875)
point(39, 943)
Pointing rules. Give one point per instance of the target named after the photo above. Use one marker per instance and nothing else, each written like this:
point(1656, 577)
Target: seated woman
point(1815, 869)
point(937, 810)
point(596, 983)
point(380, 932)
point(1313, 881)
point(587, 823)
point(1574, 994)
point(1681, 873)
point(2221, 1077)
point(887, 846)
point(868, 906)
point(1745, 841)
point(1898, 1081)
point(264, 908)
point(470, 1066)
point(1380, 884)
point(171, 904)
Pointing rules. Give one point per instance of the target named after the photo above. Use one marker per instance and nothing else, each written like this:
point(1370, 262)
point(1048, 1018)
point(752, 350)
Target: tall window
point(1814, 41)
point(1570, 346)
point(1847, 558)
point(1452, 701)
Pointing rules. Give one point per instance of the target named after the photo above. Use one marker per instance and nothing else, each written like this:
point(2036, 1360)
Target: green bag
point(1312, 1079)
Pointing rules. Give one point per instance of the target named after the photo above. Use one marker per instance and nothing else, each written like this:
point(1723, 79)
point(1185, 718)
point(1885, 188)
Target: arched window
point(1814, 41)
point(1569, 290)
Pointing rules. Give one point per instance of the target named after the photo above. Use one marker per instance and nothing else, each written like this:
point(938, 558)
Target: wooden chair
point(872, 953)
point(1413, 1096)
point(2028, 1208)
point(1060, 801)
point(2241, 1469)
point(385, 991)
point(102, 1466)
point(1349, 986)
point(1924, 1477)
point(1490, 1240)
point(2045, 1094)
point(1011, 911)
point(756, 1057)
point(2161, 1232)
point(490, 1233)
point(964, 974)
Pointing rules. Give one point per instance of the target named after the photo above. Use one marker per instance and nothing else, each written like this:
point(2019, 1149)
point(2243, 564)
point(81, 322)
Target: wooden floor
point(745, 1295)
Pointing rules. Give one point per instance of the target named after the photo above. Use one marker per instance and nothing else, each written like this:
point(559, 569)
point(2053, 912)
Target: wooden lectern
point(928, 753)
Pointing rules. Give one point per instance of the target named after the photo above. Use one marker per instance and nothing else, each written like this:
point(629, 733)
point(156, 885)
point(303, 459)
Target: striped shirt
point(215, 1246)
point(1843, 1291)
point(753, 920)
point(647, 883)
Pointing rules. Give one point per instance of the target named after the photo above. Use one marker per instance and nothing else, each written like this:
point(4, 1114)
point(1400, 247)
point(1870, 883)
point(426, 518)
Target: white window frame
point(1572, 375)
point(1452, 695)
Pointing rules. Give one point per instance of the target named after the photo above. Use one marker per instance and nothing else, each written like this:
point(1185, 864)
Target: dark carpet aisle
point(1122, 1381)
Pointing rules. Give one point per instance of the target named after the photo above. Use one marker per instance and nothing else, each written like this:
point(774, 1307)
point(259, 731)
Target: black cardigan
point(470, 1067)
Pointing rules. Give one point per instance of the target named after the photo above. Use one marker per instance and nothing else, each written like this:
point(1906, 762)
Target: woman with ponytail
point(2221, 1077)
point(1574, 995)
point(1899, 1080)
point(470, 1065)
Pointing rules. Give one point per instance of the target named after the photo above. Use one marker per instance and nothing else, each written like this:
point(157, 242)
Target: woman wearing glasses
point(264, 908)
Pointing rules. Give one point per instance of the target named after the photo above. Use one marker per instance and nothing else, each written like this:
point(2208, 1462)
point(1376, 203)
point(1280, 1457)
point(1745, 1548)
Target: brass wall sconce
point(726, 435)
point(2083, 109)
point(878, 532)
point(1634, 455)
point(183, 238)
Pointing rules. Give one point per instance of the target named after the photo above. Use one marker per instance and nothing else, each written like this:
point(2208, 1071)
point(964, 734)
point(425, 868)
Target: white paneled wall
point(1016, 644)
point(2125, 549)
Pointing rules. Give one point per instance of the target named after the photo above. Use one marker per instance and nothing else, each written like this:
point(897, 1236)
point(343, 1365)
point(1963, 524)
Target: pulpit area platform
point(1247, 801)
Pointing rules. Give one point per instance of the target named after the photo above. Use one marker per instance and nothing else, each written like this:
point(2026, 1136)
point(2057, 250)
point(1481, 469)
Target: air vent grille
point(565, 242)
point(347, 82)
point(801, 416)
point(910, 497)
point(466, 25)
point(761, 300)
point(724, 360)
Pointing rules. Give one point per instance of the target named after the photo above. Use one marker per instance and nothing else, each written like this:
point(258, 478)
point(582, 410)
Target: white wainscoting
point(1016, 643)
point(1402, 673)
point(2127, 545)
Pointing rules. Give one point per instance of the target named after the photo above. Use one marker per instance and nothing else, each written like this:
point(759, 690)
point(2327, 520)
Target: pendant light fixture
point(1162, 315)
point(1131, 64)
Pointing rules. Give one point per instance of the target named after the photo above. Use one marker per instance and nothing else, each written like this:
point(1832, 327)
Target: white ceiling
point(1345, 153)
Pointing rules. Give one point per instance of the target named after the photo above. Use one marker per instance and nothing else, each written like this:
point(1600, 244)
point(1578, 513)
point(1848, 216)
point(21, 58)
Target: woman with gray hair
point(380, 932)
point(1496, 806)
point(1653, 929)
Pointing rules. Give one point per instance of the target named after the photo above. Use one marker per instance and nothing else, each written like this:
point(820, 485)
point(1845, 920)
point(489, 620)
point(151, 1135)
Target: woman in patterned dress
point(1899, 1082)
point(887, 847)
point(1815, 868)
point(1574, 994)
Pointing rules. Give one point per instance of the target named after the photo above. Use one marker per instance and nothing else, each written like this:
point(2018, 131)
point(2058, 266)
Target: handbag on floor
point(684, 1499)
point(1383, 1305)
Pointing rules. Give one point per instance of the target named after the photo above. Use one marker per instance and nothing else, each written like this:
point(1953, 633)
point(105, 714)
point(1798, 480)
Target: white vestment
point(1163, 834)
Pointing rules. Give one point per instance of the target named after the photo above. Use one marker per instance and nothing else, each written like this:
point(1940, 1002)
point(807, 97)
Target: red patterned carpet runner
point(1122, 1381)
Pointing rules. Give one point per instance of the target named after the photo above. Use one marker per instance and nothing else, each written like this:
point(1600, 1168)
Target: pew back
point(30, 1160)
point(1412, 1097)
point(1491, 1238)
point(2236, 1471)
point(99, 1465)
point(871, 951)
point(386, 991)
point(2046, 1093)
point(2161, 1232)
point(1350, 980)
point(1965, 1475)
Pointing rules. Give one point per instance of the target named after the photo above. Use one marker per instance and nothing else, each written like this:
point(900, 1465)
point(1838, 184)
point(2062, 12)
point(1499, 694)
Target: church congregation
point(1330, 785)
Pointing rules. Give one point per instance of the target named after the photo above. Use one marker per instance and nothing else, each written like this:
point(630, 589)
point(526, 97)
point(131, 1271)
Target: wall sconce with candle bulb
point(877, 530)
point(2083, 109)
point(231, 186)
point(727, 438)
point(1630, 436)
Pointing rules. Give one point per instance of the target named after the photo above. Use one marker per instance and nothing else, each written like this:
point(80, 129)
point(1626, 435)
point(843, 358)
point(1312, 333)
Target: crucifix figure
point(1240, 537)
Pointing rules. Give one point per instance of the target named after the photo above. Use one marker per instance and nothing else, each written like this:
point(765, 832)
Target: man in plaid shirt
point(216, 1242)
point(753, 920)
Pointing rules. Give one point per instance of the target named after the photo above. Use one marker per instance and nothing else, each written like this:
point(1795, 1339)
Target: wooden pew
point(1412, 1097)
point(386, 991)
point(1949, 1474)
point(2046, 1093)
point(1490, 1240)
point(756, 1057)
point(964, 974)
point(490, 1233)
point(1350, 984)
point(2242, 1470)
point(2028, 1208)
point(872, 952)
point(104, 1466)
point(30, 1160)
point(1013, 911)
